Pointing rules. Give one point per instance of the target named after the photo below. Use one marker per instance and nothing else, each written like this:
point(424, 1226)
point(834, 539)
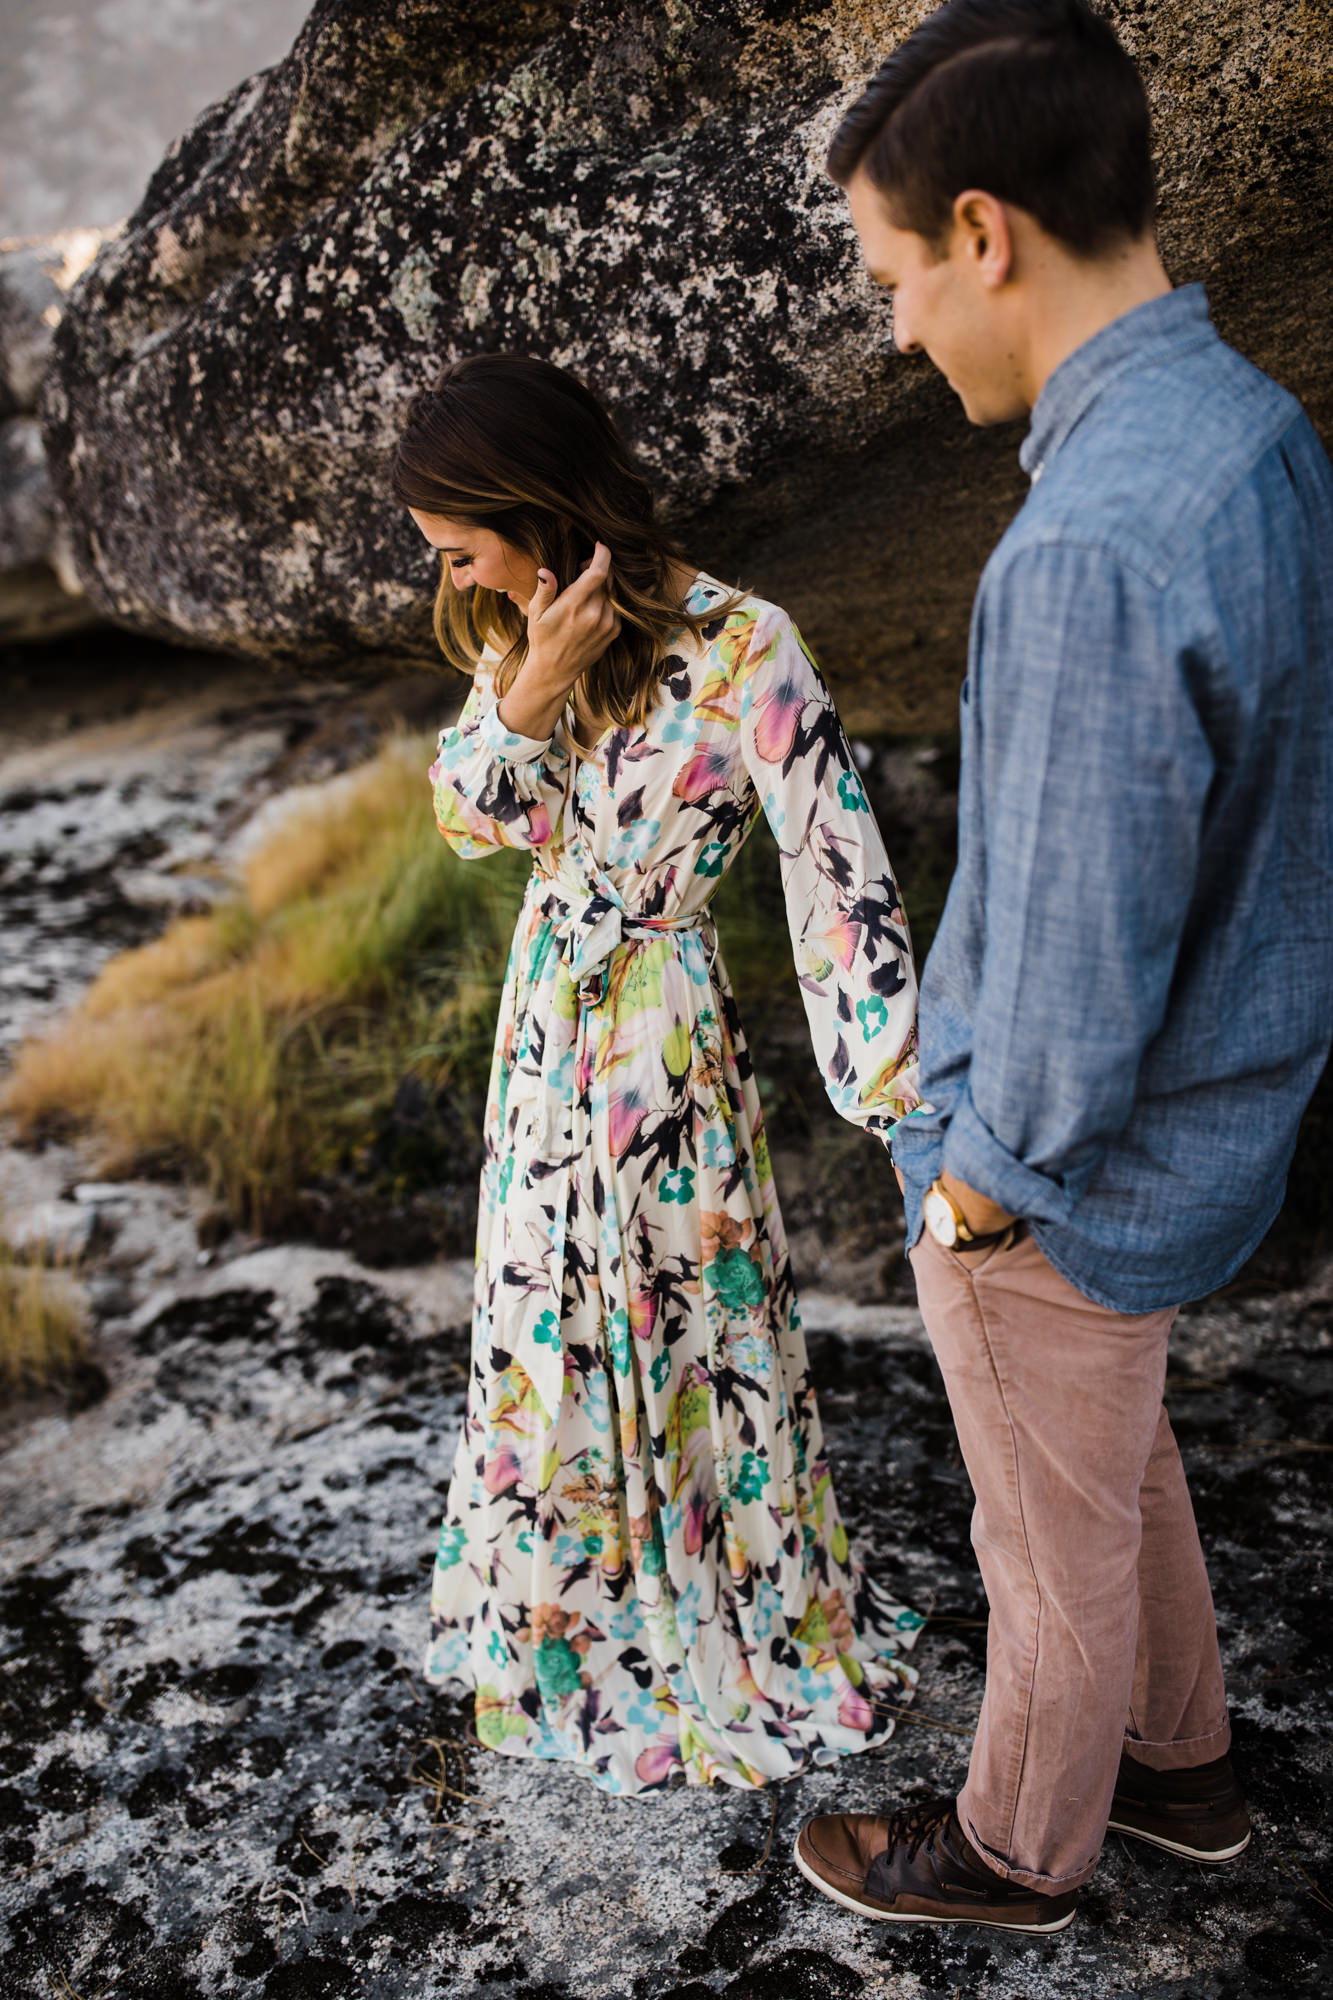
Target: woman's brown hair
point(521, 447)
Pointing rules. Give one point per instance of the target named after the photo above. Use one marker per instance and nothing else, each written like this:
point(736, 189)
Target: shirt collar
point(1176, 320)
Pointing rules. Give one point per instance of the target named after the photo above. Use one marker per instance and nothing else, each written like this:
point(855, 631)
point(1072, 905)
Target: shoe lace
point(912, 1826)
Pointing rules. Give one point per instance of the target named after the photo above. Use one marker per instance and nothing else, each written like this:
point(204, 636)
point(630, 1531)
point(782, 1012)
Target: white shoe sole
point(893, 1917)
point(1177, 1847)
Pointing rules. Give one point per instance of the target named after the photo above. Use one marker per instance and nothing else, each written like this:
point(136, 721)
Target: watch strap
point(985, 1241)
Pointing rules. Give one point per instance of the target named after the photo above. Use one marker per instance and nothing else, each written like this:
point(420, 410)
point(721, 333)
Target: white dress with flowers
point(642, 1569)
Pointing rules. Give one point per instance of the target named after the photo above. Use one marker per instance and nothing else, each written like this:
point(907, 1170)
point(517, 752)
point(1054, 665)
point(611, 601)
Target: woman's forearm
point(532, 707)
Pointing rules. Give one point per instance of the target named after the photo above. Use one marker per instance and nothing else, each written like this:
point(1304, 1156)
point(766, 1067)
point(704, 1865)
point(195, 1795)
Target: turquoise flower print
point(618, 1328)
point(852, 792)
point(719, 1154)
point(677, 1187)
point(595, 1403)
point(452, 1542)
point(873, 1015)
point(682, 725)
point(767, 1611)
point(712, 858)
point(753, 1355)
point(635, 843)
point(751, 1479)
point(687, 1607)
point(556, 1666)
point(737, 1280)
point(506, 1176)
point(546, 1333)
point(643, 1712)
point(497, 1649)
point(660, 1372)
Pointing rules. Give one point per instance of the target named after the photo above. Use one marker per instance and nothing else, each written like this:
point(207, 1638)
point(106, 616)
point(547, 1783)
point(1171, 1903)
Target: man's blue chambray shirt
point(1131, 994)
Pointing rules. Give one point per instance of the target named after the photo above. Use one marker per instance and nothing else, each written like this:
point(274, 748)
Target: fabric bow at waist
point(592, 923)
point(554, 1060)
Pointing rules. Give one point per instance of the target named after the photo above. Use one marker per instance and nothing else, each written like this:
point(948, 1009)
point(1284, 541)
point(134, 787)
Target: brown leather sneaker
point(918, 1867)
point(1198, 1812)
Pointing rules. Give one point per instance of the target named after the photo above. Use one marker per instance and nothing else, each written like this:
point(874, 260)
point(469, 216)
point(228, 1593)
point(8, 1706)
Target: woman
point(642, 1569)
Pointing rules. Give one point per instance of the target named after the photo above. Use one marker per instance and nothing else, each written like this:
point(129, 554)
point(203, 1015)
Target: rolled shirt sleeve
point(1091, 776)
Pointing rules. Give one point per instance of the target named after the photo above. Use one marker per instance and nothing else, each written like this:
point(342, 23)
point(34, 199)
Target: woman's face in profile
point(479, 555)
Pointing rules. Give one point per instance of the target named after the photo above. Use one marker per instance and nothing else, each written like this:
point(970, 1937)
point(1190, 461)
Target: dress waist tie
point(590, 923)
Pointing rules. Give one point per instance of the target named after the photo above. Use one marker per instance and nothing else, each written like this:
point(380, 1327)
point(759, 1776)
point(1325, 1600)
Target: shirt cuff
point(973, 1154)
point(508, 744)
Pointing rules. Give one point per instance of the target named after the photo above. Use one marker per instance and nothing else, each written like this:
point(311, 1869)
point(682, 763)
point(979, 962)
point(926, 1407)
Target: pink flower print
point(502, 1471)
point(854, 1711)
point(627, 1113)
point(654, 1765)
point(642, 1313)
point(708, 771)
point(841, 940)
point(777, 718)
point(694, 1515)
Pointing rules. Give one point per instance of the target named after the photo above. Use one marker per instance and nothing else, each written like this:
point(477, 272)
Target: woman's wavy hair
point(523, 448)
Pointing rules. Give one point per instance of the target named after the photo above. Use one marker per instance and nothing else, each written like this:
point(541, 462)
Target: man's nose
point(902, 331)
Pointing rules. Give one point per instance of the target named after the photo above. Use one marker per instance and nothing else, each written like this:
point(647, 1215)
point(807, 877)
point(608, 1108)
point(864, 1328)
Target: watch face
point(940, 1219)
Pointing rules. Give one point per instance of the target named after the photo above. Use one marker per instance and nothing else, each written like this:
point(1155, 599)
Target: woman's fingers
point(569, 630)
point(591, 580)
point(543, 597)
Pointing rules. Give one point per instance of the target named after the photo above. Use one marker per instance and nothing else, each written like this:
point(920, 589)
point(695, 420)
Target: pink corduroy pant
point(1102, 1634)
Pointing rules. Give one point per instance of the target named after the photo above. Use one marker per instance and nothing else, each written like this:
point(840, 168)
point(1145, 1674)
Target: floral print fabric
point(642, 1568)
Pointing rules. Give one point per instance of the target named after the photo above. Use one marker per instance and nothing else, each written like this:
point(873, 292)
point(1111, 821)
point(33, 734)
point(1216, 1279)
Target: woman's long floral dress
point(642, 1569)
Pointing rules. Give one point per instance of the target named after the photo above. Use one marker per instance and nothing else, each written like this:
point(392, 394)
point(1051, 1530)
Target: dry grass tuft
point(42, 1331)
point(248, 1048)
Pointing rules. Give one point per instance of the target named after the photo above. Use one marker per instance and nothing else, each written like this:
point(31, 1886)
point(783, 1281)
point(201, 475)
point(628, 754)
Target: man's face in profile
point(941, 305)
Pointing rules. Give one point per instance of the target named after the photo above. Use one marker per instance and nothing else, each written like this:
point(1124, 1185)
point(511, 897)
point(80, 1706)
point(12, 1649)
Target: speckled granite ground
point(220, 1770)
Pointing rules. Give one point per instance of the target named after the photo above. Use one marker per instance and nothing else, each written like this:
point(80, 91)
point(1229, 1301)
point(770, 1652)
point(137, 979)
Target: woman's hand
point(566, 634)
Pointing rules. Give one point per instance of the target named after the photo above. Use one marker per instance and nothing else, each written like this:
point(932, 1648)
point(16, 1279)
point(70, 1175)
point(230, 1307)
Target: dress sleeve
point(491, 788)
point(849, 934)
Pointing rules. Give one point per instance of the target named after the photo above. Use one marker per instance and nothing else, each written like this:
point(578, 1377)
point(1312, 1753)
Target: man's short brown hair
point(1032, 101)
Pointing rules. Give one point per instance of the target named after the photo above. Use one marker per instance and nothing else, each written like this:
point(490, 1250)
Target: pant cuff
point(1184, 1752)
point(1028, 1878)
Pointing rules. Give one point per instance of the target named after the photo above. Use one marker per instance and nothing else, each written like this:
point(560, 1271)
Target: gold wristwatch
point(945, 1222)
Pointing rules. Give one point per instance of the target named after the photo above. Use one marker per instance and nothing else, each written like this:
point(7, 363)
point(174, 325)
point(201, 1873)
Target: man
point(1128, 1003)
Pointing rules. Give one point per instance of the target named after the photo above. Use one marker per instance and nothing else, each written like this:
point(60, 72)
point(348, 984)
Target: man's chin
point(985, 406)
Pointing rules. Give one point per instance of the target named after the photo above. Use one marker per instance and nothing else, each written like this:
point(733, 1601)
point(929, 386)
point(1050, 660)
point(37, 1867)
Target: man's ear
point(981, 229)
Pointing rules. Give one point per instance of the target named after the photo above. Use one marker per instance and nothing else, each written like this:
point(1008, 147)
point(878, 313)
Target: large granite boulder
point(634, 190)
